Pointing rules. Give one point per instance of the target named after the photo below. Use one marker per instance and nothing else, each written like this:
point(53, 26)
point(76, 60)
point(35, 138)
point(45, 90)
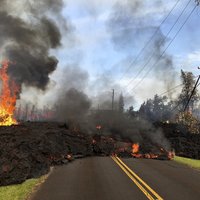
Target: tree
point(121, 103)
point(190, 121)
point(188, 81)
point(146, 110)
point(131, 113)
point(156, 109)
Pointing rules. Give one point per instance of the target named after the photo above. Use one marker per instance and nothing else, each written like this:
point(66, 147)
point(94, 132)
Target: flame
point(135, 148)
point(7, 97)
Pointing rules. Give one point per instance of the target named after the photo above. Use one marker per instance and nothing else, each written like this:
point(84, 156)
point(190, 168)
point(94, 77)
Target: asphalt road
point(101, 178)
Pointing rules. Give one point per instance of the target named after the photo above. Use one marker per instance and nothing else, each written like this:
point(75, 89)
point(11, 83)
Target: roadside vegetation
point(188, 161)
point(20, 191)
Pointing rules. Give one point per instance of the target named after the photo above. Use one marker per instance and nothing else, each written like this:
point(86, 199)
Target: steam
point(27, 37)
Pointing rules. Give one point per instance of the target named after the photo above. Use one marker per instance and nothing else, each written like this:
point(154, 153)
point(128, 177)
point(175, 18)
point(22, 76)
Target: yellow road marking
point(134, 180)
point(137, 180)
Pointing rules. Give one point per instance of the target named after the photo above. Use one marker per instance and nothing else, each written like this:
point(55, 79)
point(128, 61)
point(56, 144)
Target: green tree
point(188, 81)
point(156, 109)
point(146, 110)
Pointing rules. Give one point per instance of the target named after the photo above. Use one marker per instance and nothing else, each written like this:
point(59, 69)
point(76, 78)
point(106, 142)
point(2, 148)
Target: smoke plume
point(71, 101)
point(72, 105)
point(28, 33)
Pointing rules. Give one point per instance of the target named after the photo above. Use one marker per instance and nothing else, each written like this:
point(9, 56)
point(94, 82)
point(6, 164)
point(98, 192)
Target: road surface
point(105, 178)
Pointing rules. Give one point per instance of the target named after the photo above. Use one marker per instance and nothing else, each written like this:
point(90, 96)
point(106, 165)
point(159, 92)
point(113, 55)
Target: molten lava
point(7, 98)
point(135, 148)
point(135, 151)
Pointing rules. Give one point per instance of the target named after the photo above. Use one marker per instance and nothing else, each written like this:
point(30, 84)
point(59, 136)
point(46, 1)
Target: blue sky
point(94, 51)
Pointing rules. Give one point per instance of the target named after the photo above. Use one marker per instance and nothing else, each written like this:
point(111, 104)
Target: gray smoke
point(72, 105)
point(71, 101)
point(26, 38)
point(164, 69)
point(131, 25)
point(145, 132)
point(103, 85)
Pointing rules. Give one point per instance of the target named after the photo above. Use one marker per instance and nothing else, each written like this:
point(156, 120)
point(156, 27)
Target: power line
point(171, 89)
point(165, 48)
point(151, 56)
point(174, 88)
point(149, 41)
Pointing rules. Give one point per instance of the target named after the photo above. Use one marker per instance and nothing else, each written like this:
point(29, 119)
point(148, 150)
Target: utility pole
point(113, 98)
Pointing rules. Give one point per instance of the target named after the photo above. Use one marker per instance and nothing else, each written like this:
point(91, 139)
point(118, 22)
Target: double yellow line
point(149, 192)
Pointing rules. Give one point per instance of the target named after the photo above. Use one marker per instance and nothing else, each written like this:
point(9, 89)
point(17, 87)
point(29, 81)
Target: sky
point(109, 34)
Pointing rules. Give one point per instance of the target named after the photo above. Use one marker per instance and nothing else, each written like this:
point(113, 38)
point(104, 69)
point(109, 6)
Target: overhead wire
point(151, 56)
point(167, 91)
point(149, 41)
point(167, 34)
point(174, 37)
point(171, 89)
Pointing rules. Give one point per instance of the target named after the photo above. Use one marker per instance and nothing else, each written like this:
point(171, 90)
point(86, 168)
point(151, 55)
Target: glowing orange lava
point(135, 148)
point(8, 97)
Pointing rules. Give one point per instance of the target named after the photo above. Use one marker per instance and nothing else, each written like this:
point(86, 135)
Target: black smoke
point(28, 33)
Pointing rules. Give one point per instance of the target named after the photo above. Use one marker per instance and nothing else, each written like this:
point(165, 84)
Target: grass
point(188, 161)
point(20, 191)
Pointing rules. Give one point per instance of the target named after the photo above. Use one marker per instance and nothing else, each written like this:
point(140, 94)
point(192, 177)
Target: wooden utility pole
point(113, 98)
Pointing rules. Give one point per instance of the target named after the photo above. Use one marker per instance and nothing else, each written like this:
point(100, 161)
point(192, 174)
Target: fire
point(135, 151)
point(135, 148)
point(7, 97)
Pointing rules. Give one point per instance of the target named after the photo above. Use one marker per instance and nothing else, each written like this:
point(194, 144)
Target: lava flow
point(135, 151)
point(7, 97)
point(135, 148)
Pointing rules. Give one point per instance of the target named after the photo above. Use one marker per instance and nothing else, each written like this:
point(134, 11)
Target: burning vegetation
point(8, 97)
